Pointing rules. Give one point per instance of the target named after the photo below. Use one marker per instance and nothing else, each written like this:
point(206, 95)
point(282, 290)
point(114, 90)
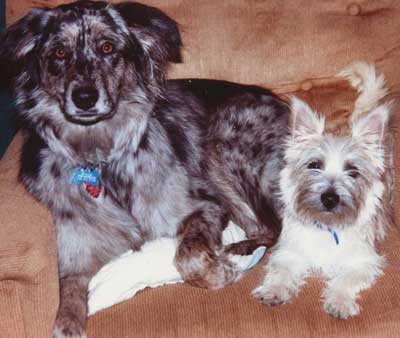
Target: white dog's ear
point(305, 122)
point(371, 127)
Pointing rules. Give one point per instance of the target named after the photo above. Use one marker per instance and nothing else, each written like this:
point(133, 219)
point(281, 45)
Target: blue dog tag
point(81, 175)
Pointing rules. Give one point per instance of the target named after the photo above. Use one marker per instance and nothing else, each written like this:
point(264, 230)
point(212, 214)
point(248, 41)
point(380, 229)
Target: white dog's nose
point(330, 199)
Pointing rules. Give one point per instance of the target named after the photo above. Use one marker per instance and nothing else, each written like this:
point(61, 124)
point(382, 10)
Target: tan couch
point(292, 46)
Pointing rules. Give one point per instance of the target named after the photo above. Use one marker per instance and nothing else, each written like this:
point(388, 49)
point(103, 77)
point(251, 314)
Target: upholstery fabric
point(291, 46)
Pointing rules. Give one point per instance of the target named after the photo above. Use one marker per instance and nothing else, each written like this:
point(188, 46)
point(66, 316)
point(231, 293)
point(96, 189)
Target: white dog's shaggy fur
point(332, 188)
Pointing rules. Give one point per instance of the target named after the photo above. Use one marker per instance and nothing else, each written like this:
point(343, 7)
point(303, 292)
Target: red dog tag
point(92, 190)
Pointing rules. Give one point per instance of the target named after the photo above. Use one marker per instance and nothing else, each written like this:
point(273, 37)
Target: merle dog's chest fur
point(153, 184)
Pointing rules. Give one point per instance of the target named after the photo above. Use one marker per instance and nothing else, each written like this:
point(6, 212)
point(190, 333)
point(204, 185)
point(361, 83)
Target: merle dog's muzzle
point(87, 103)
point(85, 97)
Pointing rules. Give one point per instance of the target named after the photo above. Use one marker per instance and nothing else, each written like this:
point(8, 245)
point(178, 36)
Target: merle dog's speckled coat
point(90, 91)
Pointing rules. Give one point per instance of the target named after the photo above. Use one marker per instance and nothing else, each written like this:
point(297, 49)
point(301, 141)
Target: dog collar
point(89, 178)
point(333, 232)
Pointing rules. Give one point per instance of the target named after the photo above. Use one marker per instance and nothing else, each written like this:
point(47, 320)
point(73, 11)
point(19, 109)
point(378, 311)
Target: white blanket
point(152, 266)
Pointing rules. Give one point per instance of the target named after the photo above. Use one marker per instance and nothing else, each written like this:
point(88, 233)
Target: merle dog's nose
point(330, 199)
point(85, 97)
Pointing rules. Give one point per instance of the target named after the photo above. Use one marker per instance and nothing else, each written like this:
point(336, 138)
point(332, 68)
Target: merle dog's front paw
point(212, 274)
point(341, 306)
point(202, 267)
point(68, 327)
point(273, 295)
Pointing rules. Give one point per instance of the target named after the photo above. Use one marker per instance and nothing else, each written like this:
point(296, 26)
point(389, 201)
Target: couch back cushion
point(286, 45)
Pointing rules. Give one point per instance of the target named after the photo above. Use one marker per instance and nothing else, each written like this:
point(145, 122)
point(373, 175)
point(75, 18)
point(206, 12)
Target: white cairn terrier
point(336, 195)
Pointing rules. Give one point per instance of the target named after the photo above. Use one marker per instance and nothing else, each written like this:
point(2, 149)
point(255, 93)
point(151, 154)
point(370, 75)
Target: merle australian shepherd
point(121, 156)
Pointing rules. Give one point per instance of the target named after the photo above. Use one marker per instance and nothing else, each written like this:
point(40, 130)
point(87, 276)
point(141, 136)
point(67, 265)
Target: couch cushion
point(282, 44)
point(184, 311)
point(294, 46)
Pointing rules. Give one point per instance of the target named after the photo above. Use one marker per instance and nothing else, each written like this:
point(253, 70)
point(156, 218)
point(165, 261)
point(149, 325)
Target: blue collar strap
point(333, 232)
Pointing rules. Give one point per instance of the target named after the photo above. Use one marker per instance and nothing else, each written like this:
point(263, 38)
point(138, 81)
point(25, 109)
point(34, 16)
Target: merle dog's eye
point(107, 47)
point(315, 165)
point(60, 53)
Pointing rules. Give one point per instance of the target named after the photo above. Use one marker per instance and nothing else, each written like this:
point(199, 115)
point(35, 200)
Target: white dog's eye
point(315, 165)
point(354, 174)
point(352, 171)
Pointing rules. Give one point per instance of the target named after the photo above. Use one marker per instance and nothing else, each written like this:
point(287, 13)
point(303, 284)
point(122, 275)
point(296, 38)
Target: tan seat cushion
point(184, 311)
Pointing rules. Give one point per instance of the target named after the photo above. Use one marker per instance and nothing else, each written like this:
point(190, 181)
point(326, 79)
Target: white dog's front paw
point(273, 295)
point(341, 306)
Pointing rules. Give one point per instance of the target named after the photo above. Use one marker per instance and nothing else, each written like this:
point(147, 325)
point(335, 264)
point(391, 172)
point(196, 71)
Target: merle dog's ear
point(158, 33)
point(19, 40)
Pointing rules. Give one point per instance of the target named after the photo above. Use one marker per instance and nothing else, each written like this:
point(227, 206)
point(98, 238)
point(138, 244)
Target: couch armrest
point(28, 259)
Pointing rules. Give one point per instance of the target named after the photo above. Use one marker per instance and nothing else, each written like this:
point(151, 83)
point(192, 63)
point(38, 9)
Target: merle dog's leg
point(247, 246)
point(72, 312)
point(86, 242)
point(200, 258)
